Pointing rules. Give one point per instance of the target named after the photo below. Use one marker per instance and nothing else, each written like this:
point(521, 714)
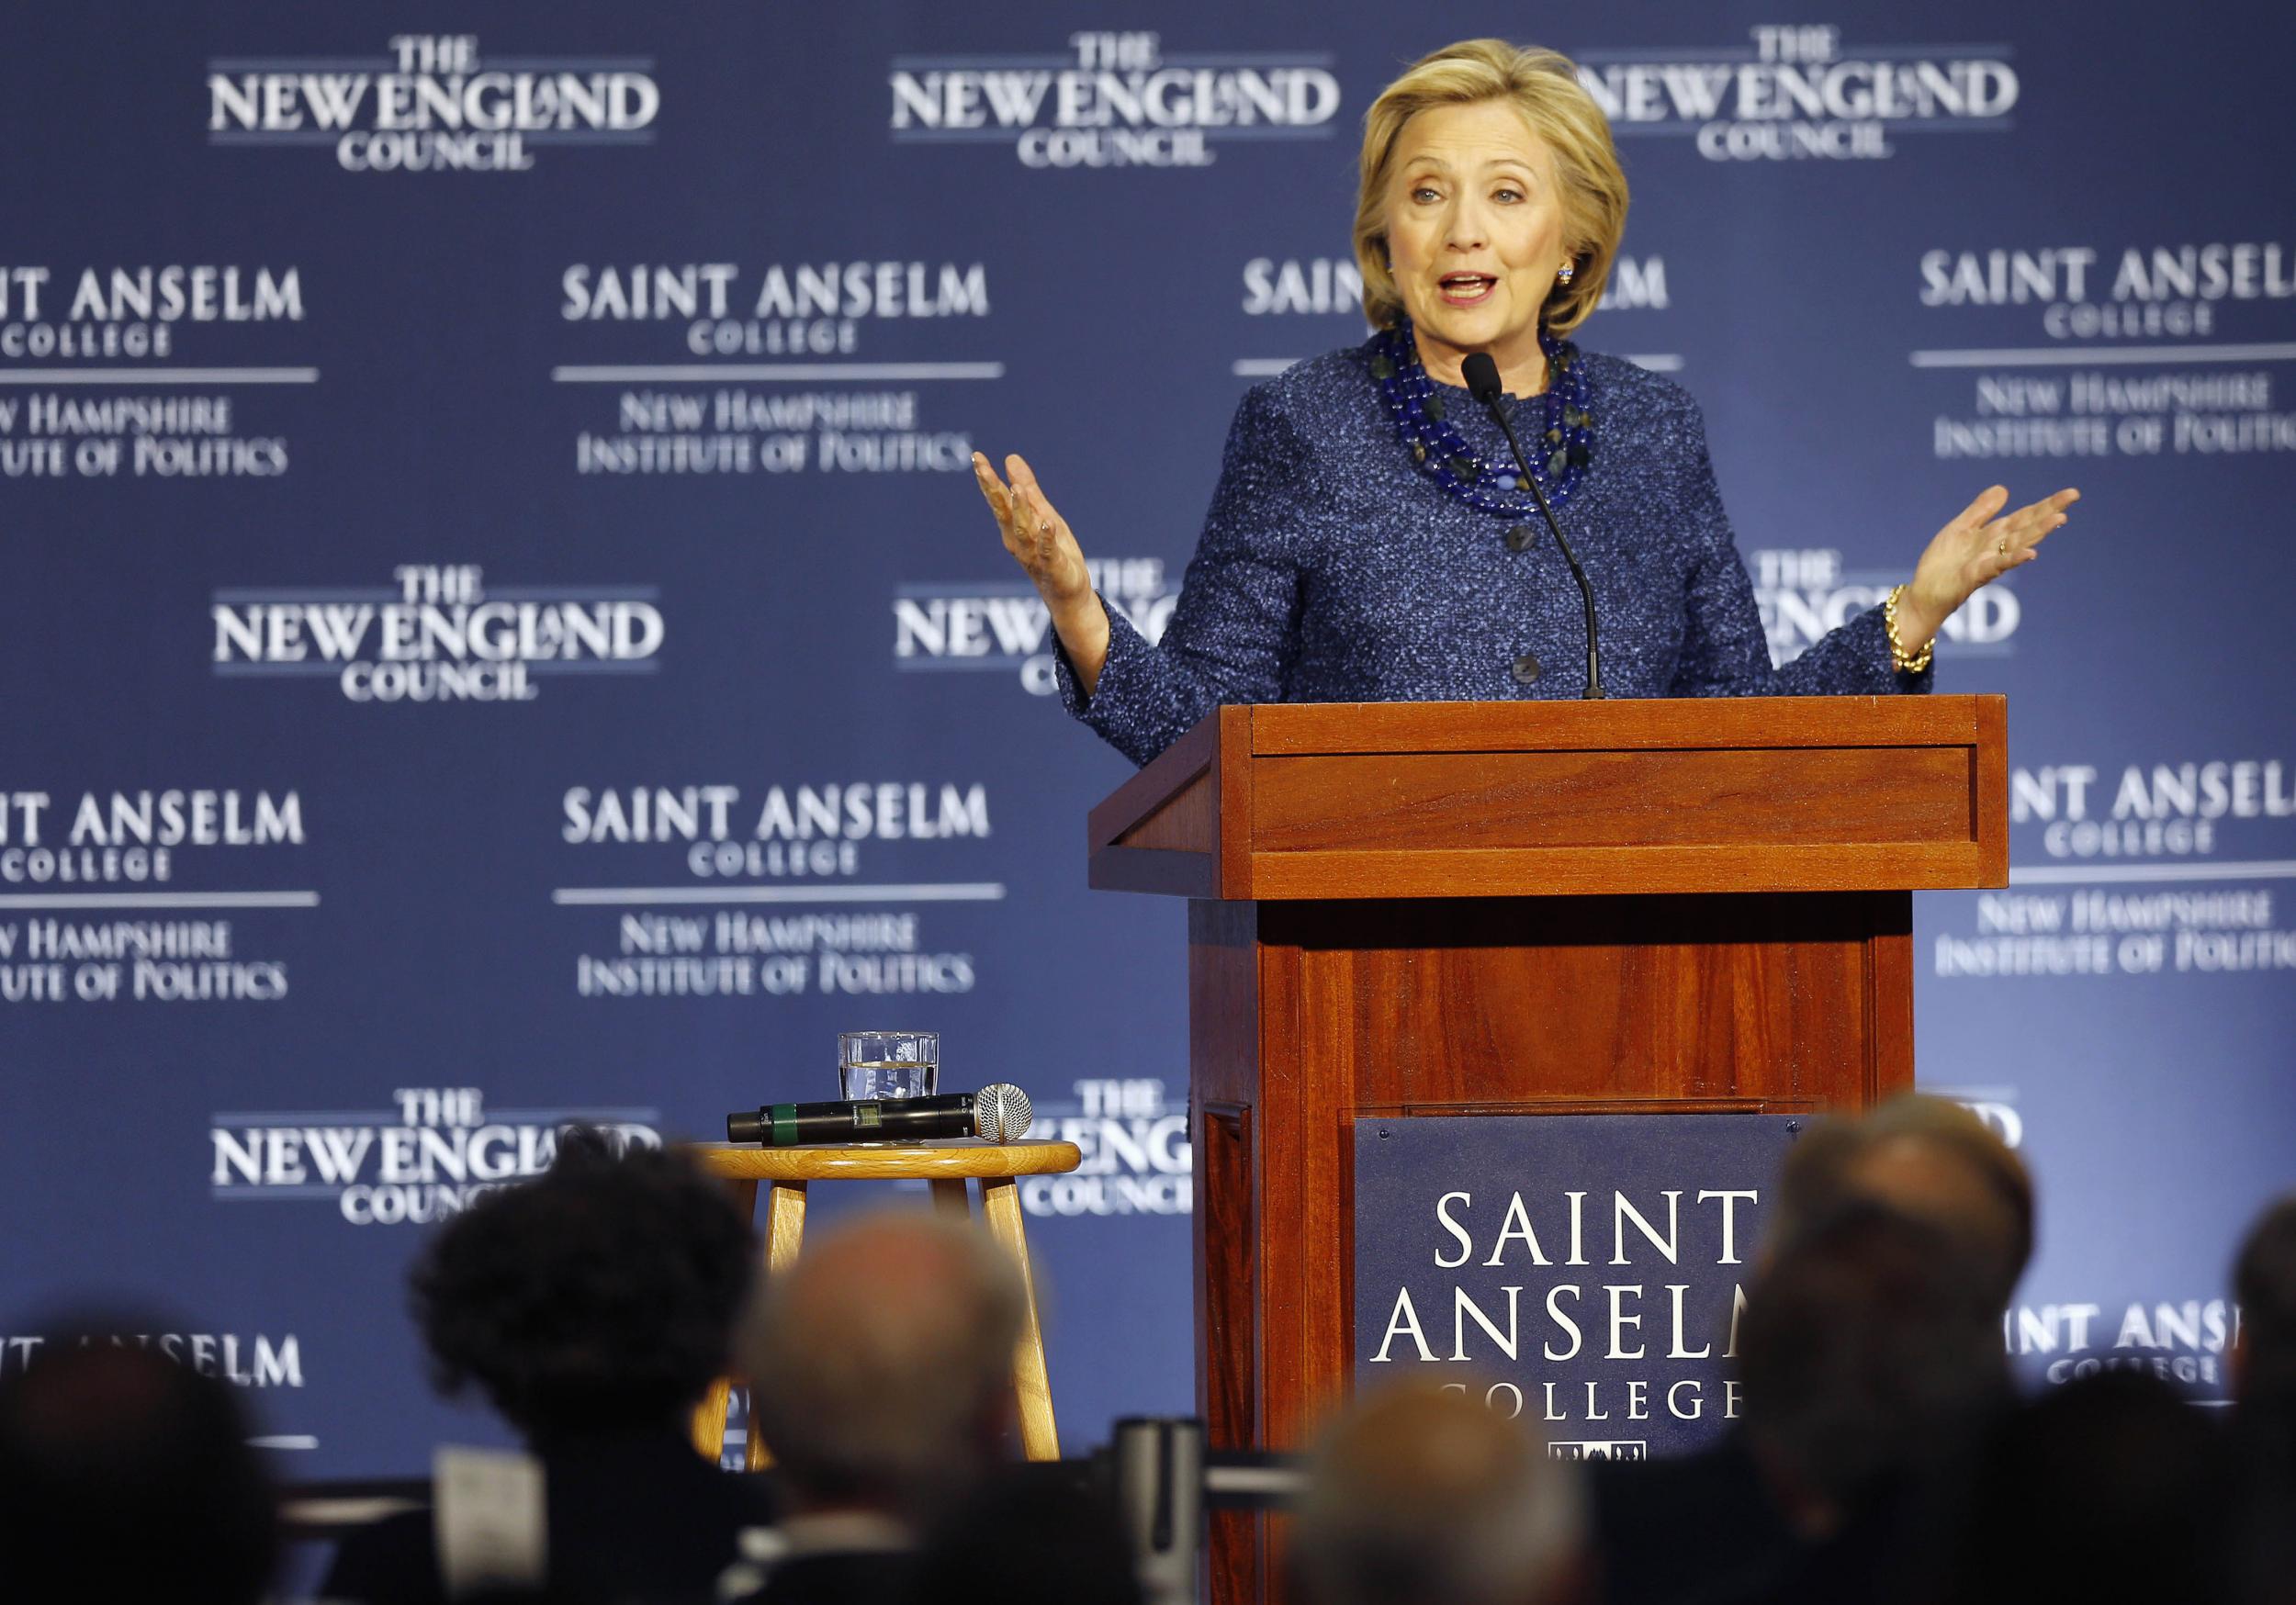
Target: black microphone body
point(870, 1120)
point(1481, 373)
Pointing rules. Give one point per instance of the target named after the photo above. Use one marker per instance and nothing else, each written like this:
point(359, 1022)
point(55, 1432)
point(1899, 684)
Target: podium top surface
point(1383, 800)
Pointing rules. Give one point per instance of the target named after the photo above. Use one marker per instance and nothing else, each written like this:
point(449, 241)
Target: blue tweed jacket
point(1331, 570)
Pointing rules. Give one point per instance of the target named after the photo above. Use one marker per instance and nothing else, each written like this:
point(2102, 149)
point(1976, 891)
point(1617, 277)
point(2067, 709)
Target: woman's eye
point(1507, 193)
point(1425, 193)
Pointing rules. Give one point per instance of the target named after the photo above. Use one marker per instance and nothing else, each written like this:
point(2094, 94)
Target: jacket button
point(1526, 669)
point(1519, 537)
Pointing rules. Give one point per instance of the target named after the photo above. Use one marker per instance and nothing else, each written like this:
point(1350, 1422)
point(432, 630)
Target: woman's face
point(1474, 233)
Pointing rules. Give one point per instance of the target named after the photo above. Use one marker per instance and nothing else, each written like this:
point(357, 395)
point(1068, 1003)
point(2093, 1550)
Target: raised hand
point(1046, 549)
point(1978, 547)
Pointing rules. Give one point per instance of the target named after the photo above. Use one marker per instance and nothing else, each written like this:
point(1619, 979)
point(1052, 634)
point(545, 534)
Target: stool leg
point(950, 1198)
point(784, 1231)
point(785, 1226)
point(1039, 1439)
point(709, 1416)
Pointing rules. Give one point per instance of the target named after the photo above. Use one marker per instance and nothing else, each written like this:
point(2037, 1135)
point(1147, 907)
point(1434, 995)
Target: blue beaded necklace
point(1559, 452)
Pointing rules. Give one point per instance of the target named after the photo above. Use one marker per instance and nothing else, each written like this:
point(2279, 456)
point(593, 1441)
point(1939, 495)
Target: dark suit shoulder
point(865, 1577)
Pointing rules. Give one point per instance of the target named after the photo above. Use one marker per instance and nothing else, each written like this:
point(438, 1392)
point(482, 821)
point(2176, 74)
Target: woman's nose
point(1463, 229)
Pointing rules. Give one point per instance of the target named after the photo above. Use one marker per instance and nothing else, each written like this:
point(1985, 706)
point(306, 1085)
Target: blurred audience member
point(1421, 1495)
point(1030, 1535)
point(2264, 1353)
point(2109, 1487)
point(1872, 1362)
point(593, 1305)
point(2263, 1393)
point(1927, 1157)
point(881, 1368)
point(125, 1475)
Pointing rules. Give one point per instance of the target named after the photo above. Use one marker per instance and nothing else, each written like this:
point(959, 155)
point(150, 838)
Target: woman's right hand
point(1046, 549)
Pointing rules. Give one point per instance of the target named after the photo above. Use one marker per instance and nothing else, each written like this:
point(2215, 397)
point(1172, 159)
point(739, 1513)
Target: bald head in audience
point(1926, 1158)
point(881, 1363)
point(1423, 1497)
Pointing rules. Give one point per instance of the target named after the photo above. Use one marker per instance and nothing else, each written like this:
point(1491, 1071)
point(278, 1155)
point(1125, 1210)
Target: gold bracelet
point(1901, 660)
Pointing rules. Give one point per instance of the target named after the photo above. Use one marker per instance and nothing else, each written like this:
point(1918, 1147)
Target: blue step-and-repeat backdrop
point(497, 626)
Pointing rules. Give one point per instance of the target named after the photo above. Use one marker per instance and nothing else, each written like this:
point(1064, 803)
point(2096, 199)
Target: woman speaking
point(1371, 539)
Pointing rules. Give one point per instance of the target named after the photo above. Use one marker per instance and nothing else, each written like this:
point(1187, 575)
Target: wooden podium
point(1454, 908)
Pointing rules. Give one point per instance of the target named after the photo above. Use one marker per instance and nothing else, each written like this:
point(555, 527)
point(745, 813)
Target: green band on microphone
point(785, 1124)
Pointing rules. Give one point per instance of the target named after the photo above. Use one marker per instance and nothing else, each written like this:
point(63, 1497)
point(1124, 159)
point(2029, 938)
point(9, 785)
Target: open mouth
point(1467, 290)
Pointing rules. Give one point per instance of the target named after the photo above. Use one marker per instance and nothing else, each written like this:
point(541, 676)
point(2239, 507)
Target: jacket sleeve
point(1233, 632)
point(1725, 652)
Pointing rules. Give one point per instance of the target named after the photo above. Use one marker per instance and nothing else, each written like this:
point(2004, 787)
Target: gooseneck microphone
point(998, 1113)
point(1481, 373)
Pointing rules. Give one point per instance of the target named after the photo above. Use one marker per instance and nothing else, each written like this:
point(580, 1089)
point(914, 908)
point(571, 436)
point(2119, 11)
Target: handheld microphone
point(998, 1113)
point(1481, 373)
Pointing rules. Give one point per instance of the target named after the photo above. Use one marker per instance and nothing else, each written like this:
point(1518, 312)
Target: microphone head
point(1000, 1112)
point(1481, 373)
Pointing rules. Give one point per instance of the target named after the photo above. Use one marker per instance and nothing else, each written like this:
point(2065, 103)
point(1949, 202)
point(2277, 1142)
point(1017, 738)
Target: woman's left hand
point(1976, 548)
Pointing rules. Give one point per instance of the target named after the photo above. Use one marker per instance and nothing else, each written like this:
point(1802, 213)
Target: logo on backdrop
point(64, 855)
point(2150, 810)
point(712, 312)
point(781, 844)
point(146, 427)
point(432, 104)
point(1135, 1147)
point(244, 1358)
point(1797, 91)
point(134, 838)
point(2073, 295)
point(1114, 99)
point(2181, 1341)
point(1289, 286)
point(2082, 292)
point(814, 308)
point(433, 1153)
point(2100, 827)
point(437, 633)
point(1003, 625)
point(134, 312)
point(1806, 594)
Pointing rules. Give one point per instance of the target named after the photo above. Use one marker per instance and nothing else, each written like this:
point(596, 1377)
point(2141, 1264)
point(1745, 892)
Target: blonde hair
point(1544, 87)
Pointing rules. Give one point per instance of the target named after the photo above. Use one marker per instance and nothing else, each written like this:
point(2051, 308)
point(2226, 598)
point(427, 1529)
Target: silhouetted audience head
point(123, 1473)
point(602, 1295)
point(2109, 1487)
point(880, 1364)
point(1870, 1347)
point(1423, 1497)
point(2264, 1285)
point(1925, 1157)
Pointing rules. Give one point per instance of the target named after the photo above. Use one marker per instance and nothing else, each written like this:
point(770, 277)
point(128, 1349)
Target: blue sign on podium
point(1585, 1272)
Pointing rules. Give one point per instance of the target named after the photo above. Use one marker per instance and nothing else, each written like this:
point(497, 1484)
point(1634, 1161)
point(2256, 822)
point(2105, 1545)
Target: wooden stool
point(947, 1166)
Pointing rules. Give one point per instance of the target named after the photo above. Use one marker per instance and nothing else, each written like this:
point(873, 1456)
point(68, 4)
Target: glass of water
point(888, 1064)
